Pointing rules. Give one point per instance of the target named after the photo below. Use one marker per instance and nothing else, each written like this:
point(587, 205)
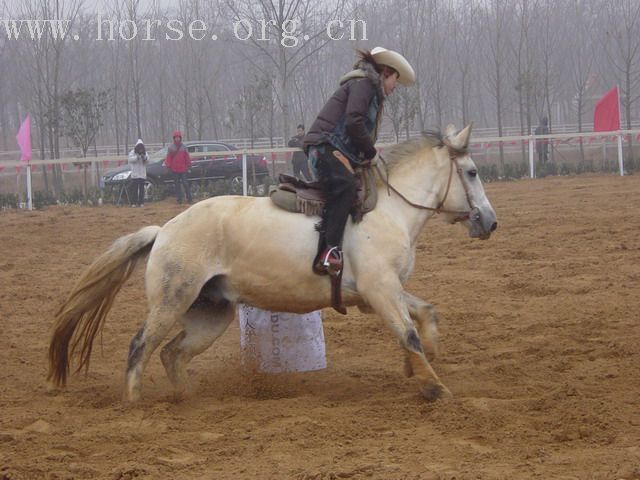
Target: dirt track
point(540, 345)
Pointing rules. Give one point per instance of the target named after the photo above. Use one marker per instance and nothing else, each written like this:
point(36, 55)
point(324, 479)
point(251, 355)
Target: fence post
point(244, 174)
point(29, 189)
point(620, 159)
point(532, 171)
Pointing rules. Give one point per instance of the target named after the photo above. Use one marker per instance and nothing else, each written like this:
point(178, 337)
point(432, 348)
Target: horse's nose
point(494, 225)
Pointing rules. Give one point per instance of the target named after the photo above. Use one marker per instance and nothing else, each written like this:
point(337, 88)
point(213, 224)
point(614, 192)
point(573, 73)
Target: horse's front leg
point(425, 317)
point(387, 297)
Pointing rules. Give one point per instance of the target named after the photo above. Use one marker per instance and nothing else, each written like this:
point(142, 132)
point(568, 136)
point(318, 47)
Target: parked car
point(203, 171)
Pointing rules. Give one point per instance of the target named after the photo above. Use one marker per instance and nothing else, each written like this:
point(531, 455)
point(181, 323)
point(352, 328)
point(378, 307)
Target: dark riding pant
point(340, 185)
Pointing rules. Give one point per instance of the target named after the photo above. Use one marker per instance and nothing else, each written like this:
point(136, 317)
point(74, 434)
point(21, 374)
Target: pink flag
point(606, 116)
point(24, 140)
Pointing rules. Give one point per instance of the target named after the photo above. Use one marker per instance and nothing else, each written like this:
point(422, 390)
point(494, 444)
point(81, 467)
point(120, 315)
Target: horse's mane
point(396, 153)
point(429, 139)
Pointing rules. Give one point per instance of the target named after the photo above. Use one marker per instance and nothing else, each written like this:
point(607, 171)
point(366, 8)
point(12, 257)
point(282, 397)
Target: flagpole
point(24, 142)
point(29, 190)
point(620, 159)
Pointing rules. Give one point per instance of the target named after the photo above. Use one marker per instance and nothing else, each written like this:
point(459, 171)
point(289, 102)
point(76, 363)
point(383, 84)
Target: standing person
point(138, 161)
point(179, 162)
point(542, 144)
point(343, 136)
point(299, 159)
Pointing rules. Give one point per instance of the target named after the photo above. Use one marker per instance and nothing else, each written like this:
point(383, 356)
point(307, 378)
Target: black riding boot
point(340, 185)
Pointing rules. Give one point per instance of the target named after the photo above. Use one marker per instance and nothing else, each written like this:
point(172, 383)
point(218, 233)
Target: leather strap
point(461, 215)
point(336, 293)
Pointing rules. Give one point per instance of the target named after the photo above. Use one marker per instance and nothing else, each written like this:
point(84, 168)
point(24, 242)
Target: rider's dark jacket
point(349, 120)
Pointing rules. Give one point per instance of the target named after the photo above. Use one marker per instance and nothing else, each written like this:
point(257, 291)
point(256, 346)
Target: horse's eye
point(473, 173)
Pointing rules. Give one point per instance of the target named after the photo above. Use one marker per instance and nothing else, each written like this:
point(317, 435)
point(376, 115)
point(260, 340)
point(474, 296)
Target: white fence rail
point(278, 142)
point(481, 147)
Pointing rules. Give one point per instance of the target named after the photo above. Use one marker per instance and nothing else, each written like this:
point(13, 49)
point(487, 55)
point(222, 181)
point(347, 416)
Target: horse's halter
point(453, 156)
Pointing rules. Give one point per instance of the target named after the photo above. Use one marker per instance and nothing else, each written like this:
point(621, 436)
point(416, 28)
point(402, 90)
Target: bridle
point(460, 216)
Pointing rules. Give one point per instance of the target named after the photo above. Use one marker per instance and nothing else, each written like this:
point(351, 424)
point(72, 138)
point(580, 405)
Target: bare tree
point(468, 58)
point(581, 59)
point(275, 21)
point(465, 43)
point(495, 16)
point(44, 69)
point(622, 42)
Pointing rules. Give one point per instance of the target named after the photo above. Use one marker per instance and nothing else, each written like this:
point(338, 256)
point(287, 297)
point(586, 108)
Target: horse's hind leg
point(424, 315)
point(202, 326)
point(155, 329)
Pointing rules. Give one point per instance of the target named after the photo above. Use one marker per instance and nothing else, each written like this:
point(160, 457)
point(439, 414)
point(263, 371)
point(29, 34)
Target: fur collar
point(364, 69)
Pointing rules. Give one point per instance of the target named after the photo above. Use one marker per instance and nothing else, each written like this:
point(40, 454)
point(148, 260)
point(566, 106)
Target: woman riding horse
point(343, 136)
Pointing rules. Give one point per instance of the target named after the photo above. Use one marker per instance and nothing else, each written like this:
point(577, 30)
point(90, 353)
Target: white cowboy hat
point(396, 61)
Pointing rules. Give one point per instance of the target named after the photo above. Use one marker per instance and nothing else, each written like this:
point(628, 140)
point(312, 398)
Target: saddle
point(298, 196)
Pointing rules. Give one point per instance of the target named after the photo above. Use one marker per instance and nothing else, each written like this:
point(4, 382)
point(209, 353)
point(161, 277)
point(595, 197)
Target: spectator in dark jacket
point(138, 161)
point(179, 162)
point(343, 137)
point(542, 144)
point(299, 159)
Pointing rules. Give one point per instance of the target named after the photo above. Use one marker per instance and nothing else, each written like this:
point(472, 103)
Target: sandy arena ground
point(540, 331)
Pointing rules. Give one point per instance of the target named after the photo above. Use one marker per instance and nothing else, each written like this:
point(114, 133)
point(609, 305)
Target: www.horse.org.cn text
point(288, 33)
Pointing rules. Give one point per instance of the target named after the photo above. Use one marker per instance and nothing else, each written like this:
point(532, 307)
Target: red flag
point(1, 168)
point(24, 140)
point(606, 116)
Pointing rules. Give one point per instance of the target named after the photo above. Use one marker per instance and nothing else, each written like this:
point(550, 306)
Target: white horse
point(231, 249)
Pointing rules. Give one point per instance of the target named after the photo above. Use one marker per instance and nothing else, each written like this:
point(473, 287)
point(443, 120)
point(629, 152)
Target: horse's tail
point(82, 315)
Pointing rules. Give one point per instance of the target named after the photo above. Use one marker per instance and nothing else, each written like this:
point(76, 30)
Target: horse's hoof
point(131, 395)
point(52, 388)
point(436, 391)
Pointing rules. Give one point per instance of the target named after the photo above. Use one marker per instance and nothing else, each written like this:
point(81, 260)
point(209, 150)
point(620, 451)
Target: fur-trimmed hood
point(364, 69)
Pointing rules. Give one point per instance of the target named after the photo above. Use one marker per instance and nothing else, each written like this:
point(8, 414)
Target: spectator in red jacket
point(179, 162)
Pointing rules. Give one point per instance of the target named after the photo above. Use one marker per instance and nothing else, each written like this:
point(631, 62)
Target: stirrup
point(330, 261)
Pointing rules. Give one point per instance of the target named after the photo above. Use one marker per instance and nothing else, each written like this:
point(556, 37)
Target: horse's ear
point(461, 140)
point(450, 131)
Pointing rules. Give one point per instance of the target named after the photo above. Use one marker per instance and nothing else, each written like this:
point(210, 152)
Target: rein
point(460, 215)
